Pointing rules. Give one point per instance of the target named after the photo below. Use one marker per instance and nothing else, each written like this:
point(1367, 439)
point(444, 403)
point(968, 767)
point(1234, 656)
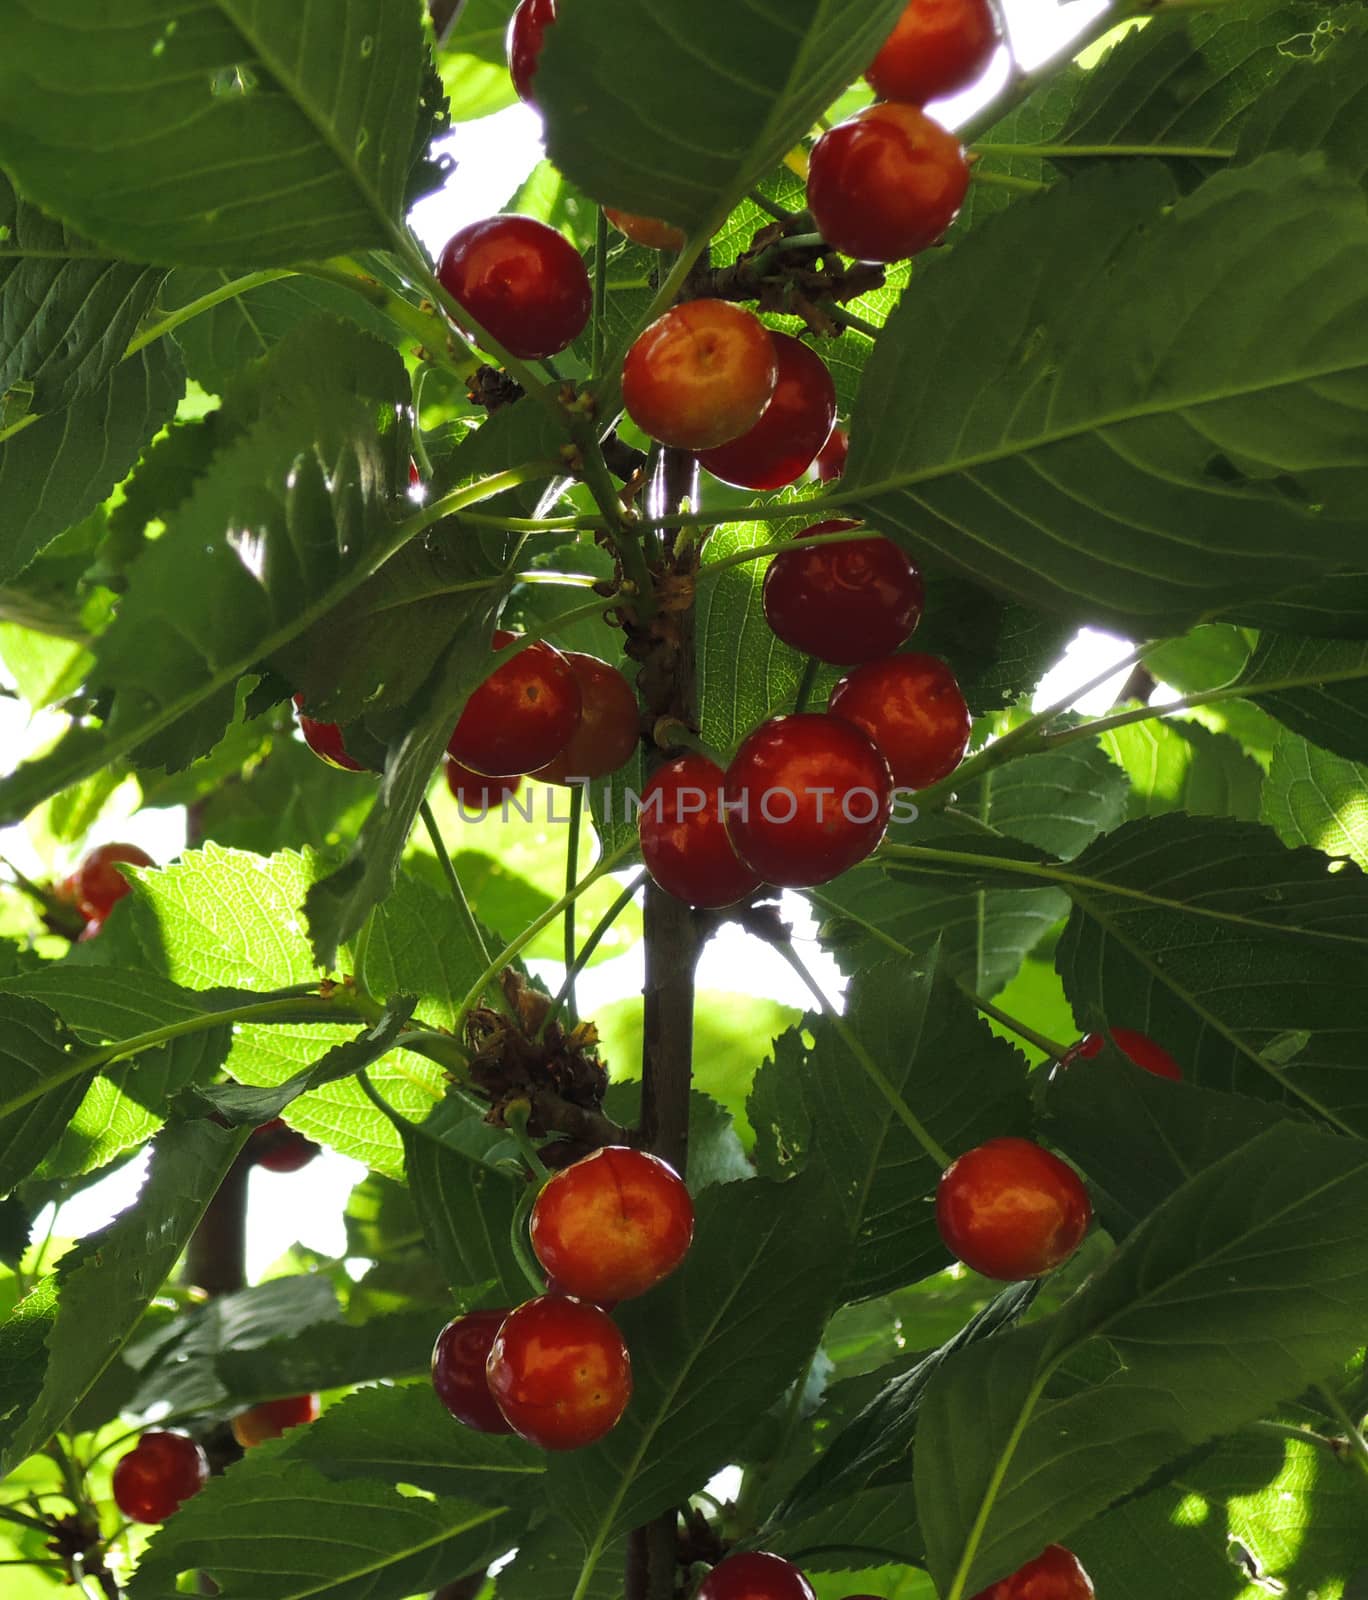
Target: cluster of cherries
point(1055, 1574)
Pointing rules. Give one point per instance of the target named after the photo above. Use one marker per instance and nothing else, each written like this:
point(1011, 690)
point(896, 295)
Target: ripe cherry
point(684, 841)
point(279, 1148)
point(1141, 1049)
point(755, 1575)
point(99, 884)
point(847, 601)
point(1010, 1209)
point(886, 183)
point(526, 35)
point(807, 798)
point(912, 708)
point(458, 1370)
point(522, 715)
point(936, 48)
point(792, 428)
point(609, 725)
point(523, 282)
point(159, 1474)
point(325, 740)
point(613, 1225)
point(272, 1418)
point(560, 1372)
point(831, 458)
point(648, 231)
point(700, 375)
point(1055, 1574)
point(473, 791)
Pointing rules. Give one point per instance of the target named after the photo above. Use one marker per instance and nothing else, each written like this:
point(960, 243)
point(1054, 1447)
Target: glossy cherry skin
point(325, 740)
point(848, 601)
point(613, 1225)
point(99, 884)
point(1010, 1209)
point(521, 716)
point(526, 35)
point(792, 428)
point(459, 1358)
point(1055, 1574)
point(279, 1148)
point(936, 48)
point(831, 458)
point(1141, 1049)
point(684, 840)
point(473, 791)
point(523, 282)
point(700, 375)
point(159, 1474)
point(755, 1575)
point(886, 183)
point(273, 1417)
point(807, 798)
point(609, 725)
point(912, 708)
point(648, 231)
point(560, 1372)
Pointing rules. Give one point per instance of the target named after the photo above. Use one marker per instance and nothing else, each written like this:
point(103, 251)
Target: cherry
point(648, 231)
point(325, 740)
point(792, 428)
point(936, 47)
point(560, 1372)
point(523, 282)
point(755, 1575)
point(1010, 1209)
point(458, 1370)
point(831, 458)
point(272, 1418)
point(844, 602)
point(609, 725)
point(526, 35)
point(159, 1474)
point(700, 375)
point(279, 1148)
point(807, 797)
point(613, 1225)
point(473, 791)
point(1141, 1049)
point(886, 183)
point(1055, 1574)
point(684, 841)
point(522, 715)
point(912, 708)
point(99, 885)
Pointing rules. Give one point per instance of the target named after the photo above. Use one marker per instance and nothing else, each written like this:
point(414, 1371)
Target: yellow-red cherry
point(609, 726)
point(831, 458)
point(911, 707)
point(613, 1225)
point(522, 715)
point(1055, 1574)
point(792, 428)
point(755, 1575)
point(560, 1372)
point(1139, 1047)
point(807, 798)
point(526, 35)
point(99, 884)
point(1011, 1209)
point(273, 1417)
point(845, 601)
point(700, 375)
point(648, 231)
point(886, 183)
point(473, 791)
point(684, 840)
point(277, 1147)
point(523, 282)
point(325, 740)
point(158, 1475)
point(459, 1359)
point(937, 47)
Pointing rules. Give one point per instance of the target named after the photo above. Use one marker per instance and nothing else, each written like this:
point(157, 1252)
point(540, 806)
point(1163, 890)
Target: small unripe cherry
point(523, 282)
point(609, 725)
point(459, 1358)
point(273, 1417)
point(648, 231)
point(526, 35)
point(560, 1372)
point(473, 791)
point(522, 715)
point(755, 1575)
point(937, 47)
point(1010, 1209)
point(99, 884)
point(846, 601)
point(1055, 1574)
point(792, 428)
point(325, 740)
point(158, 1475)
point(911, 707)
point(1139, 1047)
point(684, 840)
point(700, 375)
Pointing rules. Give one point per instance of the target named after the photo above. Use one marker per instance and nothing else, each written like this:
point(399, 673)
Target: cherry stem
point(1050, 1048)
point(517, 1237)
point(586, 951)
point(571, 874)
point(669, 733)
point(600, 295)
point(458, 895)
point(1009, 180)
point(1059, 152)
point(1358, 1446)
point(775, 210)
point(805, 684)
point(758, 552)
point(516, 1115)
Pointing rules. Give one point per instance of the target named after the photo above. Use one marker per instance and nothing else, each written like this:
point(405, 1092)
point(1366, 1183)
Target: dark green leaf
point(39, 1088)
point(1317, 687)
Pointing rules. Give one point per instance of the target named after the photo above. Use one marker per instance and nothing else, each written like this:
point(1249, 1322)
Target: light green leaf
point(1181, 766)
point(1313, 797)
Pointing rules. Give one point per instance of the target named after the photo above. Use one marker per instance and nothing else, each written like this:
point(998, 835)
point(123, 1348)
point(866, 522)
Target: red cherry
point(1010, 1209)
point(648, 231)
point(415, 477)
point(684, 841)
point(560, 1372)
point(755, 1575)
point(159, 1474)
point(912, 708)
point(473, 791)
point(1141, 1049)
point(273, 1417)
point(609, 725)
point(831, 458)
point(279, 1148)
point(526, 35)
point(807, 798)
point(325, 740)
point(886, 183)
point(458, 1370)
point(523, 282)
point(1055, 1574)
point(848, 601)
point(613, 1225)
point(700, 375)
point(792, 428)
point(522, 715)
point(936, 47)
point(99, 884)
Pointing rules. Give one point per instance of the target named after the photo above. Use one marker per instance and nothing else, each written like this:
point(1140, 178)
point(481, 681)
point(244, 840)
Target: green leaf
point(1312, 797)
point(1181, 766)
point(318, 105)
point(40, 1092)
point(1318, 688)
